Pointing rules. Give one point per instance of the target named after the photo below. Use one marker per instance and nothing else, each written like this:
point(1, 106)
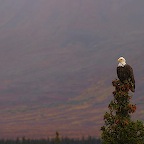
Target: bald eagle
point(125, 72)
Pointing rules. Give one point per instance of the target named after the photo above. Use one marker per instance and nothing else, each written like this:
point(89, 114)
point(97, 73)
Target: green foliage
point(119, 128)
point(88, 140)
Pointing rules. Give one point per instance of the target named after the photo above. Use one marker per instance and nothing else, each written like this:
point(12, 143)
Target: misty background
point(58, 59)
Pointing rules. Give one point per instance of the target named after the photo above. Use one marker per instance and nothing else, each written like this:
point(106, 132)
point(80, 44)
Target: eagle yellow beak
point(119, 60)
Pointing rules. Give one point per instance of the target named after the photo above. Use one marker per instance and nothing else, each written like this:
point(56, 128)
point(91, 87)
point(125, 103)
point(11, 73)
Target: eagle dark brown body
point(125, 73)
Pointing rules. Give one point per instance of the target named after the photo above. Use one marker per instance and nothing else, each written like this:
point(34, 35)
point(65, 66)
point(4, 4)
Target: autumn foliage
point(118, 127)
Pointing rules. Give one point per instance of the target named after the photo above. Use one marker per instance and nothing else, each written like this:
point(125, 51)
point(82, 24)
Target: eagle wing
point(130, 73)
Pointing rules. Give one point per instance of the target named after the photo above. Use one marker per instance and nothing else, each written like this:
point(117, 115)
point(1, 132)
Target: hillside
point(58, 59)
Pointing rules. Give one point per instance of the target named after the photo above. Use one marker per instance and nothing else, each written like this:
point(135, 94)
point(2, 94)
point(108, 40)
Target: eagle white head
point(121, 61)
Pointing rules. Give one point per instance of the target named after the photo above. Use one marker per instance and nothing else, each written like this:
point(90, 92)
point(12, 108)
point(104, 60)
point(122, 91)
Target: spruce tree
point(57, 138)
point(119, 127)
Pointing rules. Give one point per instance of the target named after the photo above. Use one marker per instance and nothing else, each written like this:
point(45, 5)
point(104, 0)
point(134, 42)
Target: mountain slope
point(58, 59)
